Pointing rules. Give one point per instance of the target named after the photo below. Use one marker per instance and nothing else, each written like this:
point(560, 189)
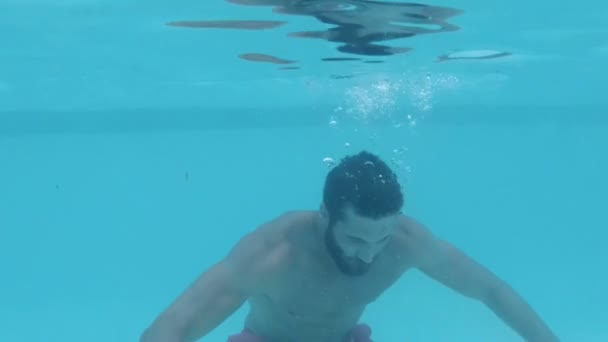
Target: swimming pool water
point(133, 155)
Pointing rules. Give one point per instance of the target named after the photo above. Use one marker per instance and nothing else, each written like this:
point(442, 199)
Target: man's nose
point(366, 254)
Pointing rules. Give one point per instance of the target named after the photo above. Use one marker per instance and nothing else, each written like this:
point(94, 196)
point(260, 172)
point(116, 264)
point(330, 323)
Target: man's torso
point(311, 300)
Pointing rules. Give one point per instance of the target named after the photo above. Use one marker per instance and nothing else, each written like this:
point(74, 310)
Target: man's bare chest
point(312, 290)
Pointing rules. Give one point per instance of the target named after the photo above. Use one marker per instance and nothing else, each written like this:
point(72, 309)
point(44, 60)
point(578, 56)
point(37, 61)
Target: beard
point(350, 266)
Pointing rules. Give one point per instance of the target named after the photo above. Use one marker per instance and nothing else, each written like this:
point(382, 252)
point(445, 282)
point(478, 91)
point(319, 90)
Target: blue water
point(134, 155)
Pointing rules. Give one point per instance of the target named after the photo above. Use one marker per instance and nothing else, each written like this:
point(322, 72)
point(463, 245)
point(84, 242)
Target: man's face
point(355, 241)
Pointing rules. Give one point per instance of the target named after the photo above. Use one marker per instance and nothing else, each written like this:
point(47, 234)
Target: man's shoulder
point(421, 244)
point(271, 244)
point(279, 228)
point(409, 228)
point(291, 228)
point(411, 234)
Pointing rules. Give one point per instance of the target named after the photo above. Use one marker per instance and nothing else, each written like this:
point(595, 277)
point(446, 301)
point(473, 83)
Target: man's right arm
point(217, 293)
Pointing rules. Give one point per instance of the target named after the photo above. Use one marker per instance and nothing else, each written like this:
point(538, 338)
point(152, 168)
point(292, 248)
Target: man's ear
point(323, 211)
point(324, 214)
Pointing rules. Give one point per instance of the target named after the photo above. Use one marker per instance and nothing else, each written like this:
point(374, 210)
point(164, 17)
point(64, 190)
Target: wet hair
point(366, 183)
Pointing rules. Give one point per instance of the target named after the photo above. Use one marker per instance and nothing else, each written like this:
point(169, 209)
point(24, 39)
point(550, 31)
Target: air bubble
point(329, 161)
point(400, 150)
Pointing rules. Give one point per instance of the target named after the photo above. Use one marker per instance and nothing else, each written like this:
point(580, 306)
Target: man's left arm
point(453, 268)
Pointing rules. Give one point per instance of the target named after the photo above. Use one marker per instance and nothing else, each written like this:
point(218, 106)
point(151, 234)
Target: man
point(308, 276)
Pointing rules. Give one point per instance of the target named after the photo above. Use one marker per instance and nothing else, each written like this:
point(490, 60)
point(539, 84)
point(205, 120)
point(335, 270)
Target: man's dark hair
point(366, 183)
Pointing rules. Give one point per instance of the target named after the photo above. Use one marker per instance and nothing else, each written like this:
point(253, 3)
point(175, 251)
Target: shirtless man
point(308, 276)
